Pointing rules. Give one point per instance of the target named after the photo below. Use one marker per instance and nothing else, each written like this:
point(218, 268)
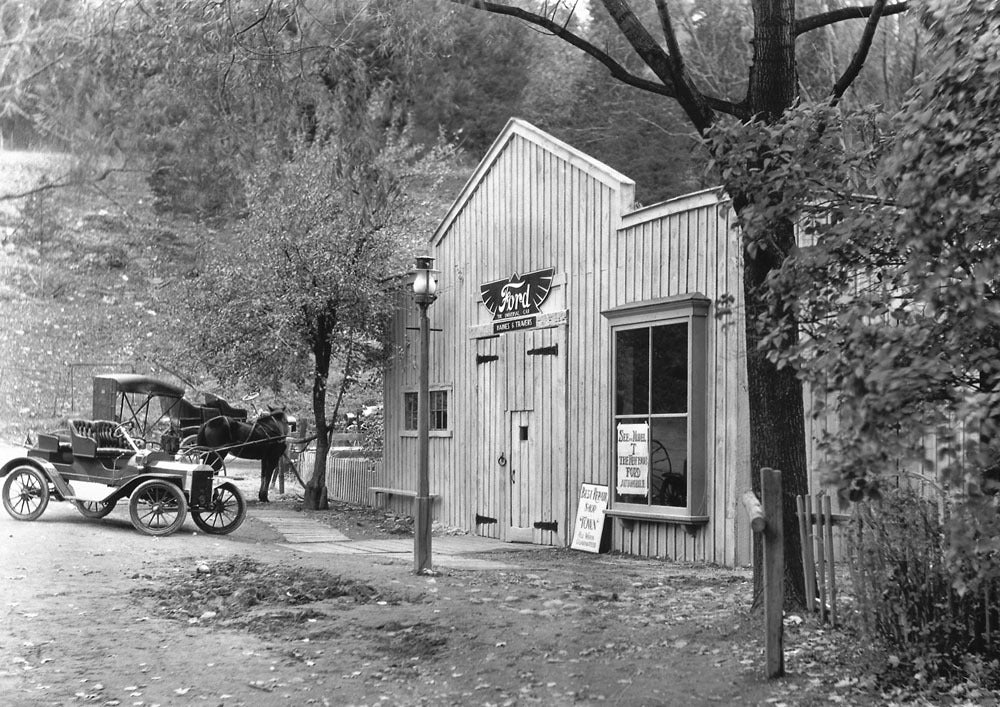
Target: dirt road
point(96, 613)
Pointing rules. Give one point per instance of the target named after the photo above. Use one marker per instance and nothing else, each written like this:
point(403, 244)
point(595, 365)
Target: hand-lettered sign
point(590, 518)
point(517, 295)
point(633, 459)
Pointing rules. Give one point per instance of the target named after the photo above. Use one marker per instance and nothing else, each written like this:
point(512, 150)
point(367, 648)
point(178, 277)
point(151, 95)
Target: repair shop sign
point(590, 518)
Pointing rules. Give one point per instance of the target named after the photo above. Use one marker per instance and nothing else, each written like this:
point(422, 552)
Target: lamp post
point(424, 289)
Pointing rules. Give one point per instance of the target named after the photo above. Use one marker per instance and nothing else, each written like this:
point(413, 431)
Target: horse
point(263, 439)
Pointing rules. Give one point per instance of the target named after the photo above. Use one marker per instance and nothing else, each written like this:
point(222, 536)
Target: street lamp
point(424, 294)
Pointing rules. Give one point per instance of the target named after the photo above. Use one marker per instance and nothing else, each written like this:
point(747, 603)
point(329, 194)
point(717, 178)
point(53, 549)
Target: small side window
point(438, 411)
point(410, 411)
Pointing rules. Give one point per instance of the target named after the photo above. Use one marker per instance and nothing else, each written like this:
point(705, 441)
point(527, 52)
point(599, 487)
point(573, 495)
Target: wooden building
point(575, 341)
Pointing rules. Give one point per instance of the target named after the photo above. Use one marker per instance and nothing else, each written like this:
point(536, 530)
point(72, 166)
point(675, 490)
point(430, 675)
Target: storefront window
point(659, 373)
point(651, 373)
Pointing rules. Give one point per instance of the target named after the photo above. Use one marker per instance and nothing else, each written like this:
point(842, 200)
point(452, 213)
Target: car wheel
point(94, 509)
point(25, 493)
point(157, 507)
point(227, 512)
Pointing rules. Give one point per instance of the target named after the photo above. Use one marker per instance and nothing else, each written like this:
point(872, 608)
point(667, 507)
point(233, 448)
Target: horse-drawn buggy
point(132, 449)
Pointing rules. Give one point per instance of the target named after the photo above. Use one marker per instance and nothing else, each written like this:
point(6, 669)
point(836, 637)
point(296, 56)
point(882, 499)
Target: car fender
point(129, 486)
point(43, 466)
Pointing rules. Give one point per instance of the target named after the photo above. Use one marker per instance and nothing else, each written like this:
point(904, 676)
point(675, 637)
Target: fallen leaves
point(231, 589)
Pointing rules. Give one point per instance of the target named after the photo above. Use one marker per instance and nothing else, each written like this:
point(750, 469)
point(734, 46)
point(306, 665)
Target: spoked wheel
point(157, 507)
point(95, 509)
point(201, 455)
point(226, 514)
point(25, 493)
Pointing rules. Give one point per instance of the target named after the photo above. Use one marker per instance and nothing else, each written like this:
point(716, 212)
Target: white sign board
point(590, 518)
point(633, 459)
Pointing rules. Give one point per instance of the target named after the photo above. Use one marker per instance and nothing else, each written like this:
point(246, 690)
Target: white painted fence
point(348, 479)
point(348, 476)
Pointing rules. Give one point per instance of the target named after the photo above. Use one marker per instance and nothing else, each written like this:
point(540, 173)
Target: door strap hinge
point(484, 520)
point(485, 358)
point(552, 525)
point(544, 351)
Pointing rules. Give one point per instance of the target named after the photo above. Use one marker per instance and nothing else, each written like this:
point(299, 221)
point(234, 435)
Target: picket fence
point(348, 476)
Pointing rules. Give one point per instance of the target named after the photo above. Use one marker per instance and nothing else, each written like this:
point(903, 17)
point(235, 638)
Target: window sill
point(431, 433)
point(656, 517)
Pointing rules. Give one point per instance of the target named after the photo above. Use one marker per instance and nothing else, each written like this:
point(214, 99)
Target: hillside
point(89, 280)
point(85, 280)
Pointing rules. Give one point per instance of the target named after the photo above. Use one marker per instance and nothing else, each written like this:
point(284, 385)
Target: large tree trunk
point(315, 497)
point(777, 423)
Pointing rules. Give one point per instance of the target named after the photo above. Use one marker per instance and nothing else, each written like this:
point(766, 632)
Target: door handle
point(512, 472)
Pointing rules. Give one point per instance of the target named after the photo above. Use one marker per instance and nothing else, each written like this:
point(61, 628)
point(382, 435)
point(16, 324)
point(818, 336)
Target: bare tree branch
point(673, 48)
point(864, 45)
point(64, 182)
point(560, 30)
point(649, 48)
point(807, 24)
point(687, 93)
point(666, 68)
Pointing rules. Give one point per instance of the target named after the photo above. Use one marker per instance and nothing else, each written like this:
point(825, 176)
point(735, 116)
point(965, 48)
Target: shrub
point(921, 596)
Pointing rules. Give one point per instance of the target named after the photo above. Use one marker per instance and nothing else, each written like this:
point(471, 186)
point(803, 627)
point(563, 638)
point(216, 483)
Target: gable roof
point(520, 128)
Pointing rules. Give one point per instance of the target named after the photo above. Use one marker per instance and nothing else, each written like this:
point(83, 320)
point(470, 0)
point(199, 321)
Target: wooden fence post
point(766, 517)
point(808, 563)
point(774, 571)
point(828, 524)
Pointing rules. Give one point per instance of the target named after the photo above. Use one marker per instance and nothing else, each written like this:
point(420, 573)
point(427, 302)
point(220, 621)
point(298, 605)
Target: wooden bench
point(377, 491)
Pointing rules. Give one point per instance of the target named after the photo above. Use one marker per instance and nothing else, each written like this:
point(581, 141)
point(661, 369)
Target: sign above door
point(517, 295)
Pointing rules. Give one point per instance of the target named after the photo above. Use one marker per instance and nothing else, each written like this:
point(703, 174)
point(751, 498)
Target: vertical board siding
point(530, 209)
point(683, 250)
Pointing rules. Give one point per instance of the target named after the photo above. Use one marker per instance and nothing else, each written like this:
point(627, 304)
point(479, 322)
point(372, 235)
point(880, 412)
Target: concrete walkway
point(452, 551)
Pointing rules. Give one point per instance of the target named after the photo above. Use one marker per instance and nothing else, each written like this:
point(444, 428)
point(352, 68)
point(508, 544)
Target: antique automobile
point(97, 463)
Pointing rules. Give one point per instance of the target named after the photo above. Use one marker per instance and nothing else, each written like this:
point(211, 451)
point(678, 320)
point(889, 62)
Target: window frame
point(693, 310)
point(445, 431)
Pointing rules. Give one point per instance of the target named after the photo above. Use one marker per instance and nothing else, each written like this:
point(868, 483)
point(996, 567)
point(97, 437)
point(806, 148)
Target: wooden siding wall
point(533, 209)
point(684, 246)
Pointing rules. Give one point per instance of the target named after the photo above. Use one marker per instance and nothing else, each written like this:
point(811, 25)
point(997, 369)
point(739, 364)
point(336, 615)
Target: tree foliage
point(193, 91)
point(306, 284)
point(896, 286)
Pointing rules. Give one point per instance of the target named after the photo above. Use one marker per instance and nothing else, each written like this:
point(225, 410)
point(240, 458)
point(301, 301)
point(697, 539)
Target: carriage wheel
point(25, 493)
point(95, 509)
point(226, 513)
point(214, 460)
point(157, 507)
point(200, 455)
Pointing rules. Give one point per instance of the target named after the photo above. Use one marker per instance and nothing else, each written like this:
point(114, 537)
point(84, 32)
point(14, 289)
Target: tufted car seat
point(97, 439)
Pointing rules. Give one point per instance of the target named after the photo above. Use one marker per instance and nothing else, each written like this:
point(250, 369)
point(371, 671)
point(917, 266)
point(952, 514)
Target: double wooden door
point(521, 436)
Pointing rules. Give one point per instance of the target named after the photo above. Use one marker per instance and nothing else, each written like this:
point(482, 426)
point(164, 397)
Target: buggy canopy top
point(143, 385)
point(126, 397)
